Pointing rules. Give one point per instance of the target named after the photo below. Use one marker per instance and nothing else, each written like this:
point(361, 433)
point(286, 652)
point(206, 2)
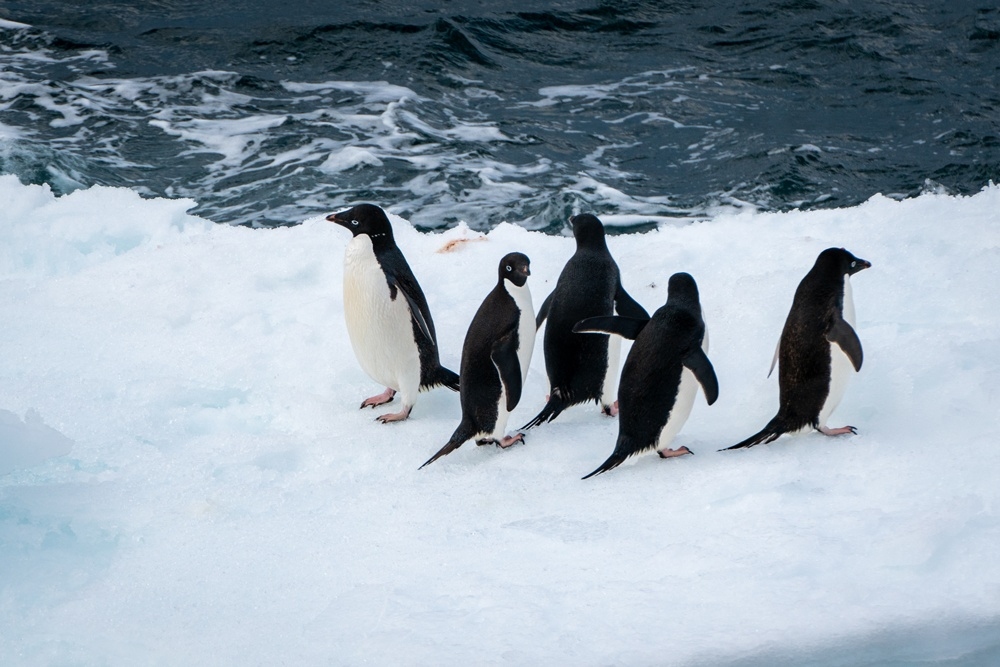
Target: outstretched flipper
point(626, 306)
point(504, 356)
point(697, 362)
point(626, 327)
point(465, 431)
point(844, 335)
point(774, 359)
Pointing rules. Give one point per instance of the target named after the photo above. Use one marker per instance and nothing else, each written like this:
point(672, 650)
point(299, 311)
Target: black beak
point(340, 218)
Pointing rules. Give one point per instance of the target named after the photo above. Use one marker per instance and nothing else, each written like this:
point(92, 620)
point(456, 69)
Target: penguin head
point(842, 261)
point(364, 219)
point(588, 231)
point(514, 267)
point(683, 291)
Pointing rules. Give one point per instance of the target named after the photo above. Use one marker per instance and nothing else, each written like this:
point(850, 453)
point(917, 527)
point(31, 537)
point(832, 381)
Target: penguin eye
point(355, 223)
point(508, 267)
point(853, 264)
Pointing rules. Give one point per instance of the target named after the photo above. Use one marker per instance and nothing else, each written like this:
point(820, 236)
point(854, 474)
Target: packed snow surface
point(185, 476)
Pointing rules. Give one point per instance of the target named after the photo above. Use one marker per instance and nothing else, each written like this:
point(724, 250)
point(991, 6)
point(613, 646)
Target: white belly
point(379, 327)
point(682, 405)
point(609, 391)
point(841, 368)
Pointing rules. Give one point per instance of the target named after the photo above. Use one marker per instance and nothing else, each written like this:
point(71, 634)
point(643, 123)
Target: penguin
point(388, 320)
point(662, 372)
point(583, 367)
point(817, 351)
point(495, 359)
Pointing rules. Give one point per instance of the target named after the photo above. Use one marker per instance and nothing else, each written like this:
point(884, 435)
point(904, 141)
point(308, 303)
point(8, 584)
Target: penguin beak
point(341, 218)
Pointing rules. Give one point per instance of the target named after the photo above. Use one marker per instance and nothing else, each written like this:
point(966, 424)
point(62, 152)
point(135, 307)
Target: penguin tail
point(551, 410)
point(613, 462)
point(625, 447)
point(441, 376)
point(775, 428)
point(465, 431)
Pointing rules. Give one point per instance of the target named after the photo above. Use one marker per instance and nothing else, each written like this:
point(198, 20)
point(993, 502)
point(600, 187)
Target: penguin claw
point(394, 416)
point(509, 440)
point(672, 453)
point(610, 410)
point(380, 399)
point(843, 430)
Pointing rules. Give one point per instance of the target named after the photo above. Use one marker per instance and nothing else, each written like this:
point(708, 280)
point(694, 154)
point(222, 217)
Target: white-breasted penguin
point(583, 367)
point(661, 375)
point(387, 317)
point(495, 359)
point(818, 350)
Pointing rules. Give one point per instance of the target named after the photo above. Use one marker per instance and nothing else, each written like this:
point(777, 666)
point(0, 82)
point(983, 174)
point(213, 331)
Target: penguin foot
point(610, 410)
point(672, 453)
point(509, 440)
point(395, 416)
point(381, 399)
point(843, 430)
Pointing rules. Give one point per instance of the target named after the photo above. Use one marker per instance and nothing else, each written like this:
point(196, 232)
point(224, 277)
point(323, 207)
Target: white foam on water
point(224, 501)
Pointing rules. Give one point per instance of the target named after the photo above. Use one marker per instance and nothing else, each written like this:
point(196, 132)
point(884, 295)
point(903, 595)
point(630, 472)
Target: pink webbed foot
point(509, 440)
point(610, 410)
point(381, 399)
point(395, 416)
point(671, 453)
point(843, 430)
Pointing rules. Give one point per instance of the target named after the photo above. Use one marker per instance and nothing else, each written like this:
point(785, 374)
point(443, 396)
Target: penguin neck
point(521, 295)
point(848, 301)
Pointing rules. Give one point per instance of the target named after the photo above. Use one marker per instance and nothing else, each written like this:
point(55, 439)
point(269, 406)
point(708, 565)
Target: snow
point(185, 477)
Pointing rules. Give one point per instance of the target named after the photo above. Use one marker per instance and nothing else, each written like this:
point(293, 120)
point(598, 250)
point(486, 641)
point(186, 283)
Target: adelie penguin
point(495, 359)
point(583, 367)
point(818, 351)
point(387, 316)
point(661, 375)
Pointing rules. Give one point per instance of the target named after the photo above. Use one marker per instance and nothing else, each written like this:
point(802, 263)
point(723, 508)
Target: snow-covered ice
point(185, 477)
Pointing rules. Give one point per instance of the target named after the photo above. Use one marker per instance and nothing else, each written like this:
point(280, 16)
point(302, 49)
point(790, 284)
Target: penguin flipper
point(698, 363)
point(844, 335)
point(627, 327)
point(543, 311)
point(504, 357)
point(774, 359)
point(626, 306)
point(416, 313)
point(465, 431)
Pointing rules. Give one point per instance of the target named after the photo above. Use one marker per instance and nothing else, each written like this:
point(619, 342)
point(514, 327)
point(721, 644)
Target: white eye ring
point(354, 222)
point(508, 267)
point(853, 264)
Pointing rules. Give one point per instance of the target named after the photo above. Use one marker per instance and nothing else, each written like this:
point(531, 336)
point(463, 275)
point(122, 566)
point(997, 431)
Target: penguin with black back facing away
point(661, 375)
point(583, 367)
point(495, 359)
point(387, 317)
point(818, 350)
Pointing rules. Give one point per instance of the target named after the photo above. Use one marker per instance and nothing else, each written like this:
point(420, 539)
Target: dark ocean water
point(642, 112)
